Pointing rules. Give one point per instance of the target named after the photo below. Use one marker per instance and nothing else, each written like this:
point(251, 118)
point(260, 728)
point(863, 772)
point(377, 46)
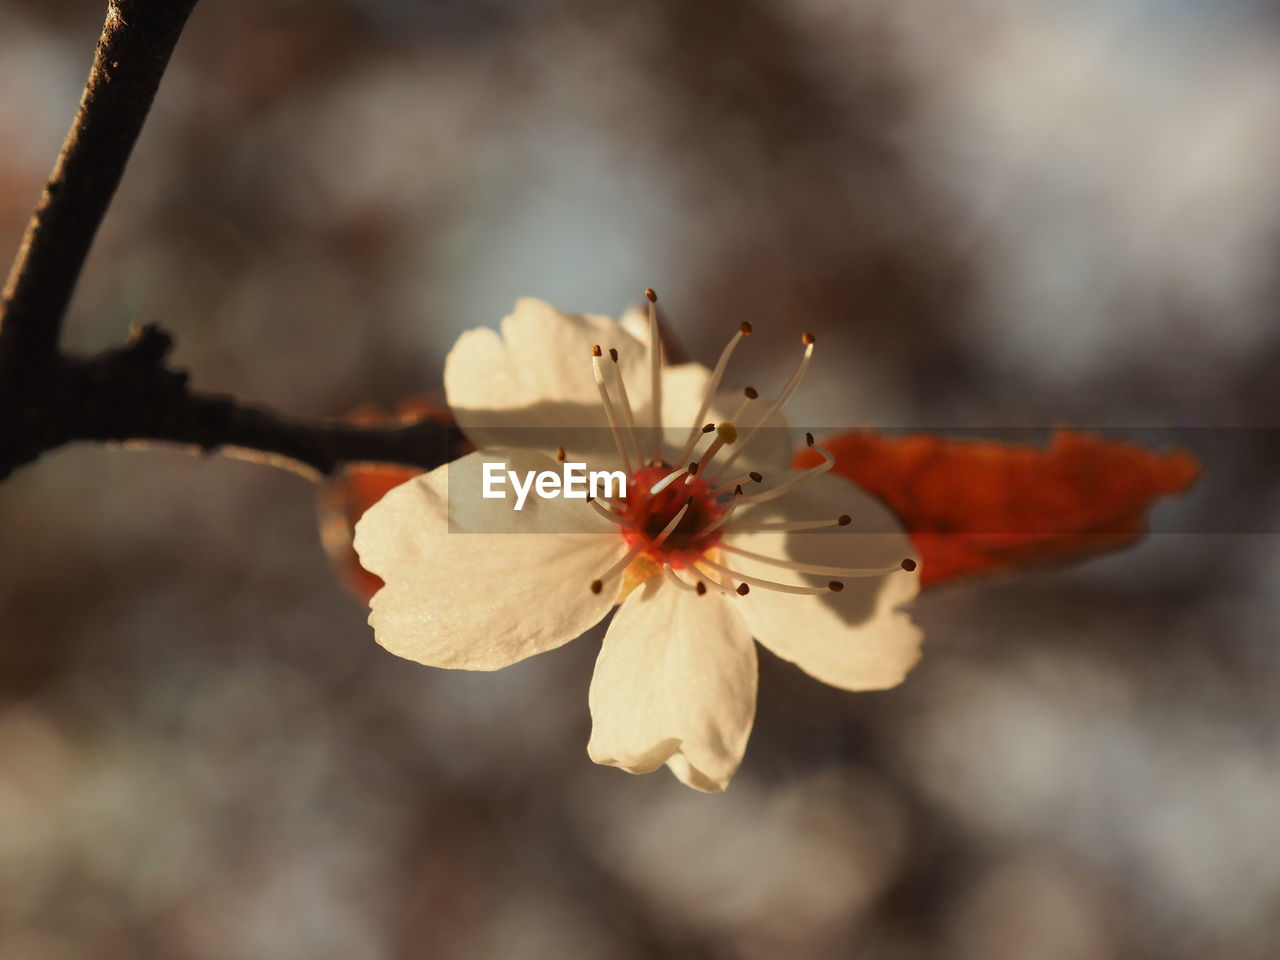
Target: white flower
point(701, 557)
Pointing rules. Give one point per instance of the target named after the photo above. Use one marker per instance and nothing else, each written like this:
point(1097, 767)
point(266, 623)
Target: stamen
point(671, 575)
point(828, 462)
point(766, 584)
point(666, 531)
point(623, 562)
point(814, 568)
point(808, 341)
point(560, 454)
point(686, 492)
point(608, 407)
point(726, 433)
point(655, 374)
point(733, 484)
point(724, 517)
point(744, 330)
point(789, 526)
point(746, 402)
point(669, 479)
point(608, 514)
point(709, 583)
point(632, 430)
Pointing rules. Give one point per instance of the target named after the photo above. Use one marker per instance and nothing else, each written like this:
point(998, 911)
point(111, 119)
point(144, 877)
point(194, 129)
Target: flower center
point(672, 518)
point(647, 515)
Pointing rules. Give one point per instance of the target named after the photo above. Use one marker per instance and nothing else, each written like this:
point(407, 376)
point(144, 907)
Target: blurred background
point(993, 214)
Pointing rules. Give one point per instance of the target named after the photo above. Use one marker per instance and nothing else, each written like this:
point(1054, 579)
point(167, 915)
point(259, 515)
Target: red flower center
point(647, 514)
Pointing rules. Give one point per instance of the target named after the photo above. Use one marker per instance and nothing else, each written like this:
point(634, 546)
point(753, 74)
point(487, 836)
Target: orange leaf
point(977, 507)
point(353, 490)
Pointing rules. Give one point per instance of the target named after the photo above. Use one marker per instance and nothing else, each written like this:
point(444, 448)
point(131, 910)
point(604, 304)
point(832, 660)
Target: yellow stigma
point(727, 432)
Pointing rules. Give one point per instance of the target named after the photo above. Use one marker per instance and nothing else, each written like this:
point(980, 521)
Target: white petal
point(636, 322)
point(683, 388)
point(470, 583)
point(533, 385)
point(857, 639)
point(675, 683)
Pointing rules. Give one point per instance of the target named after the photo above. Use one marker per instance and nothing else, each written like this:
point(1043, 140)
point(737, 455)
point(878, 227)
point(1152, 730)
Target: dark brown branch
point(137, 39)
point(128, 395)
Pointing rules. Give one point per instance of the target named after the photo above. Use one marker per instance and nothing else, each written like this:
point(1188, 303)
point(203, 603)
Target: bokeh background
point(993, 214)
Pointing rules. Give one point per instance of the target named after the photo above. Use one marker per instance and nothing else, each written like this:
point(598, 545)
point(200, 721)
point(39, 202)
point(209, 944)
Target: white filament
point(765, 584)
point(608, 514)
point(633, 432)
point(608, 412)
point(669, 479)
point(828, 462)
point(623, 562)
point(814, 568)
point(714, 384)
point(786, 526)
point(710, 582)
point(723, 518)
point(677, 580)
point(734, 484)
point(655, 369)
point(774, 407)
point(666, 531)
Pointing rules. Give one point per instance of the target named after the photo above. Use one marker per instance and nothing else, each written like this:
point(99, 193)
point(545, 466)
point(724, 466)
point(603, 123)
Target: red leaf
point(976, 507)
point(356, 488)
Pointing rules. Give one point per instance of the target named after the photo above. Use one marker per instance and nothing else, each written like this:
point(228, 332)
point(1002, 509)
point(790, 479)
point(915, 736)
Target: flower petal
point(856, 639)
point(533, 386)
point(675, 683)
point(472, 584)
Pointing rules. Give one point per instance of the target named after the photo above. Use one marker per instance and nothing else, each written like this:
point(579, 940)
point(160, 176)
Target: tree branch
point(137, 39)
point(128, 394)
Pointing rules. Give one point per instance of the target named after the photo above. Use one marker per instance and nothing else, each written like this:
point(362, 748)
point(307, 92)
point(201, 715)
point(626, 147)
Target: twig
point(137, 39)
point(128, 394)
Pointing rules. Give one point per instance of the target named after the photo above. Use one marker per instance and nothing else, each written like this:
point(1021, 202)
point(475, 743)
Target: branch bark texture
point(129, 393)
point(137, 40)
